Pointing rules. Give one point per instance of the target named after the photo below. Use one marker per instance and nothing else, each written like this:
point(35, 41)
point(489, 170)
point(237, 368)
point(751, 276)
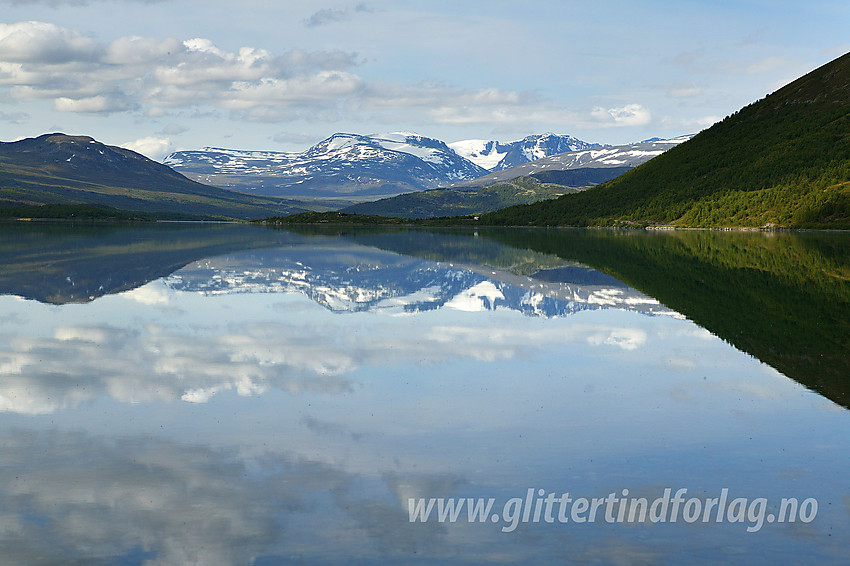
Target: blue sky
point(163, 75)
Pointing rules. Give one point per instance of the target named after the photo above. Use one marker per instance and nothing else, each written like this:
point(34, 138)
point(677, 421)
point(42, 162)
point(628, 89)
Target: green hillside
point(451, 202)
point(77, 171)
point(783, 161)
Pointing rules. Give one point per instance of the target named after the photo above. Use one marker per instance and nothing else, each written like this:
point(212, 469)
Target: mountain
point(496, 156)
point(342, 165)
point(58, 169)
point(545, 178)
point(453, 202)
point(783, 161)
point(584, 167)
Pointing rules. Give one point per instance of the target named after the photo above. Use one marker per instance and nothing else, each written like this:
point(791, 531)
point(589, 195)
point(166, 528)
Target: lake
point(231, 394)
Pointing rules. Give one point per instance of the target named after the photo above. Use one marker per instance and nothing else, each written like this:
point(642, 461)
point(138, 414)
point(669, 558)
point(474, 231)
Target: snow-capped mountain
point(496, 156)
point(618, 158)
point(343, 164)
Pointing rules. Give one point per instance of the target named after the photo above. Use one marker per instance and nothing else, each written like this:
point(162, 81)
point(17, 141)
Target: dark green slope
point(784, 161)
point(451, 202)
point(57, 169)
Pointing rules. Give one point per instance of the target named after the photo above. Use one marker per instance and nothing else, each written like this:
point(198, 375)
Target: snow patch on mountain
point(496, 156)
point(484, 153)
point(427, 149)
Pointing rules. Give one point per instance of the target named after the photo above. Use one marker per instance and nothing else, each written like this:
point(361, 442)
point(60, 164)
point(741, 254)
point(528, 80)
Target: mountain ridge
point(60, 169)
point(342, 164)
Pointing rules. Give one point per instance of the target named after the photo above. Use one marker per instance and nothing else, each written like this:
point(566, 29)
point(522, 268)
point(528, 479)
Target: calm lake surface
point(227, 394)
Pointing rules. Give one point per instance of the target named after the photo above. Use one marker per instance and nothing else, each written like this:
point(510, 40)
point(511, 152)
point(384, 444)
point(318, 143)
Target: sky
point(159, 76)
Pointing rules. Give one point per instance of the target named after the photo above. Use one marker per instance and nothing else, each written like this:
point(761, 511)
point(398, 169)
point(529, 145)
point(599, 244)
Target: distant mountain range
point(78, 172)
point(783, 161)
point(361, 165)
point(342, 165)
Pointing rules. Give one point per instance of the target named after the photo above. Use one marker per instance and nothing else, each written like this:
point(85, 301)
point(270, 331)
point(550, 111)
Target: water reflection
point(57, 263)
point(353, 278)
point(281, 396)
point(175, 342)
point(783, 298)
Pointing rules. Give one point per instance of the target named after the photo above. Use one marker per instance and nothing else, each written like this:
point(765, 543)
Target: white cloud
point(45, 43)
point(99, 104)
point(164, 77)
point(328, 60)
point(153, 148)
point(491, 106)
point(200, 63)
point(324, 85)
point(628, 115)
point(135, 50)
point(158, 77)
point(43, 61)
